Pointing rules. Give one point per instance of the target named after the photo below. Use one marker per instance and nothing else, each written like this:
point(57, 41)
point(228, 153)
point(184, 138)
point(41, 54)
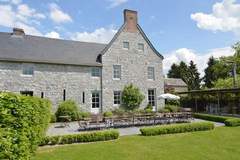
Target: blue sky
point(180, 30)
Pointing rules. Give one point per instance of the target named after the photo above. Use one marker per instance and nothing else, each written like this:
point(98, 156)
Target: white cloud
point(57, 15)
point(7, 16)
point(25, 10)
point(225, 17)
point(115, 3)
point(53, 34)
point(186, 55)
point(16, 2)
point(100, 35)
point(28, 29)
point(21, 16)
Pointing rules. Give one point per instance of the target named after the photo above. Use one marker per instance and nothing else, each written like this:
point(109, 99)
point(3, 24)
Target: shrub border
point(81, 138)
point(176, 128)
point(228, 121)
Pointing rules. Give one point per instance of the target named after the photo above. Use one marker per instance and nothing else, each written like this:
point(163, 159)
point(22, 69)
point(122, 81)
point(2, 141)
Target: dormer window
point(126, 45)
point(140, 46)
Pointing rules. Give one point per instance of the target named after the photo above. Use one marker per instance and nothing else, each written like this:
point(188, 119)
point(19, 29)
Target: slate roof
point(174, 82)
point(28, 48)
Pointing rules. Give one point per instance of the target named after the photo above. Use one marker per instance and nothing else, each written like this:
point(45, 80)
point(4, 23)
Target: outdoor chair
point(95, 122)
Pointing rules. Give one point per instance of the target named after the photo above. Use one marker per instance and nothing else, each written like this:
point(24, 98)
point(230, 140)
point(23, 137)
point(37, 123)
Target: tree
point(236, 48)
point(185, 73)
point(225, 83)
point(210, 76)
point(195, 80)
point(174, 72)
point(131, 97)
point(189, 74)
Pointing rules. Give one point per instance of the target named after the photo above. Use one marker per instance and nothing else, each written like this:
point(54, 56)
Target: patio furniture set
point(98, 122)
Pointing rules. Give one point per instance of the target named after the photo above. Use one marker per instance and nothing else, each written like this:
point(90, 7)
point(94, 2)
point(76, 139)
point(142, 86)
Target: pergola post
point(196, 106)
point(218, 103)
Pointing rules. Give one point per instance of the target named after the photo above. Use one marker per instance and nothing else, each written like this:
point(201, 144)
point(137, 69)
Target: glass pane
point(126, 45)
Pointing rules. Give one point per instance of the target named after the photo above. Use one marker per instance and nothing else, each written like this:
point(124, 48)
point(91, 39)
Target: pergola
point(217, 92)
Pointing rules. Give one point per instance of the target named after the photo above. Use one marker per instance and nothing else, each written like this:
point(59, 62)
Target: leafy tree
point(131, 97)
point(236, 47)
point(225, 83)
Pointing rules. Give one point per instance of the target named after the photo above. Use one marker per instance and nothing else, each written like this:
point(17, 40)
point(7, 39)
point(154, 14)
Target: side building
point(91, 74)
point(172, 85)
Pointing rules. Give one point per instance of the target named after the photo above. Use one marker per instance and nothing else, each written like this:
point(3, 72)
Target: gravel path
point(72, 128)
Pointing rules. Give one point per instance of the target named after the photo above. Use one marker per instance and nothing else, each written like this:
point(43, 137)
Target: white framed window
point(95, 99)
point(140, 46)
point(116, 97)
point(116, 71)
point(126, 45)
point(151, 97)
point(95, 72)
point(27, 70)
point(151, 73)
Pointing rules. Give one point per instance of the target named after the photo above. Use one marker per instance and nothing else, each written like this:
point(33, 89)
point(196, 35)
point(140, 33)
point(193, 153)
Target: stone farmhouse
point(92, 74)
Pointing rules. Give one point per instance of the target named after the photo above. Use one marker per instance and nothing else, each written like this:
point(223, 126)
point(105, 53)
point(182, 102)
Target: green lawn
point(223, 143)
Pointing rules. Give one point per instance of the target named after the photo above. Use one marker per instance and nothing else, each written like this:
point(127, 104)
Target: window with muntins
point(126, 45)
point(117, 97)
point(27, 70)
point(140, 46)
point(95, 72)
point(95, 99)
point(151, 97)
point(151, 74)
point(117, 71)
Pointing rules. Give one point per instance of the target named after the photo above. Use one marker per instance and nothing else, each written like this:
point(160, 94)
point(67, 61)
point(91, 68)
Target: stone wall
point(51, 80)
point(134, 65)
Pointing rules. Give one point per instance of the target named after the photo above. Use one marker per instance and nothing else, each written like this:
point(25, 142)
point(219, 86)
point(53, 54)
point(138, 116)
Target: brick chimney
point(131, 20)
point(18, 32)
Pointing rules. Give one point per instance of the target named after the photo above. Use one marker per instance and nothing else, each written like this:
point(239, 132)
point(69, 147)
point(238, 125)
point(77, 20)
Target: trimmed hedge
point(79, 138)
point(210, 117)
point(176, 128)
point(232, 122)
point(228, 121)
point(23, 122)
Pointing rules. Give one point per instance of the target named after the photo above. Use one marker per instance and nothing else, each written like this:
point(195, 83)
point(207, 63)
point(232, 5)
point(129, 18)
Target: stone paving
point(72, 128)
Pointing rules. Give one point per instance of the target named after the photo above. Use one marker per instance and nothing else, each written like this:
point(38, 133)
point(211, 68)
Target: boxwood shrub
point(67, 108)
point(232, 122)
point(80, 138)
point(210, 117)
point(23, 122)
point(176, 128)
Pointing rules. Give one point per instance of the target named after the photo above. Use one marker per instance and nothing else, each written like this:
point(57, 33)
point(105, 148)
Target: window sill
point(116, 105)
point(24, 75)
point(116, 79)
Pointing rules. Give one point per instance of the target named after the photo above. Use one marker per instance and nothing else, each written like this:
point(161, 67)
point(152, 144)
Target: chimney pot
point(131, 20)
point(18, 31)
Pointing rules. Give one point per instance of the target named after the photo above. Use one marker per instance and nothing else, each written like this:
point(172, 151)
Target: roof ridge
point(57, 39)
